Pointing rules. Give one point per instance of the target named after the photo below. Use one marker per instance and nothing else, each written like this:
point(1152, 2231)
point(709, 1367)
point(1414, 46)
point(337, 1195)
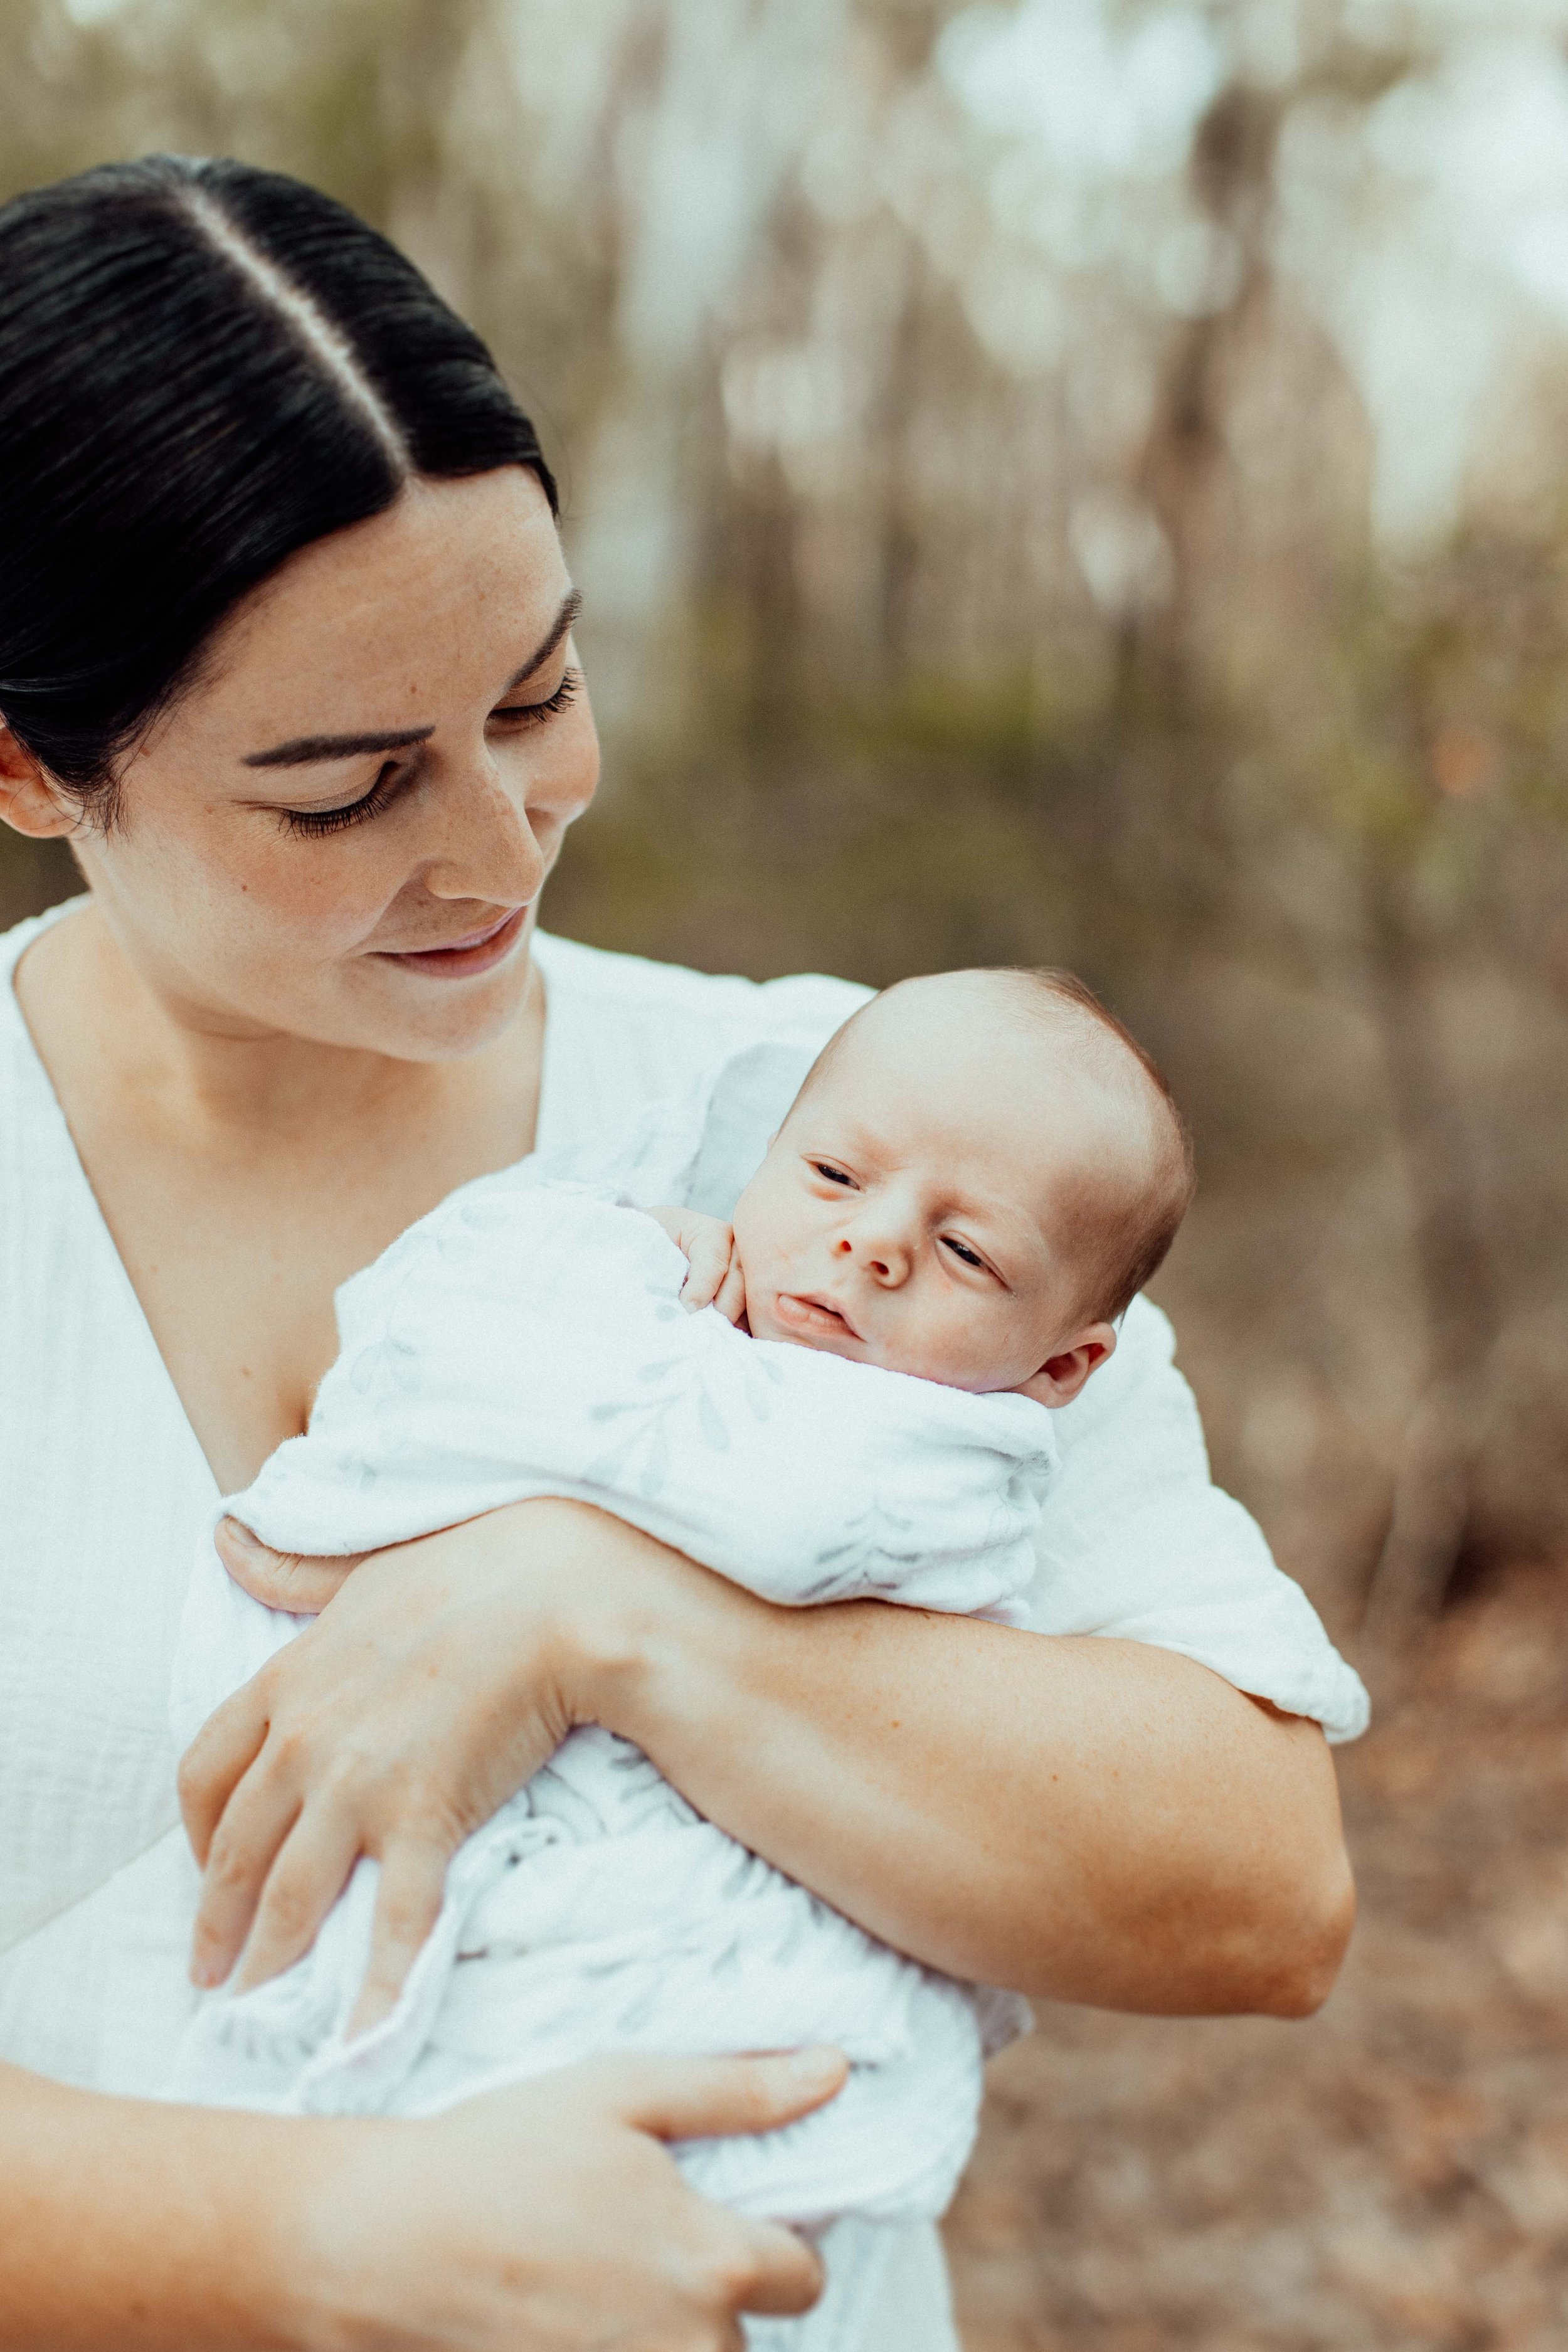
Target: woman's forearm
point(544, 2215)
point(149, 2228)
point(1082, 1820)
point(1086, 1819)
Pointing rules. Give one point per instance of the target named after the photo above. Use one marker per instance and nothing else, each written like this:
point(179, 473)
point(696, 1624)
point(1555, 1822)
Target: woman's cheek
point(557, 798)
point(332, 892)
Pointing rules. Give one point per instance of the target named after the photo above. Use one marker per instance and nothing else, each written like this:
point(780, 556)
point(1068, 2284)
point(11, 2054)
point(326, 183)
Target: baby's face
point(909, 1211)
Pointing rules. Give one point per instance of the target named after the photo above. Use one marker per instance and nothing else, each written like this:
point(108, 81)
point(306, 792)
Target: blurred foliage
point(979, 513)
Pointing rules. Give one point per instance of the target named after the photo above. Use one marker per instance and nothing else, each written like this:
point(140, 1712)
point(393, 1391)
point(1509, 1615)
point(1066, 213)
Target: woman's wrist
point(304, 2284)
point(158, 2228)
point(258, 2269)
point(629, 1608)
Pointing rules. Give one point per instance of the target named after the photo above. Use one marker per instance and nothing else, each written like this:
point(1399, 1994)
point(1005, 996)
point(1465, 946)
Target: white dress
point(104, 1490)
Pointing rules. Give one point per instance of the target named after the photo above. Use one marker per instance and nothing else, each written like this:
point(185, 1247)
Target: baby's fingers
point(407, 1905)
point(731, 1300)
point(709, 1255)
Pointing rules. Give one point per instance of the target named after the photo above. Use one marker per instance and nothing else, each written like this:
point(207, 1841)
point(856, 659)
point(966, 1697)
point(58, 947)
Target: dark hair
point(203, 367)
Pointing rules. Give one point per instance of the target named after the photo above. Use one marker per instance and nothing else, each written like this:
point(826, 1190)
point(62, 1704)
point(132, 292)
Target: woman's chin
point(411, 1018)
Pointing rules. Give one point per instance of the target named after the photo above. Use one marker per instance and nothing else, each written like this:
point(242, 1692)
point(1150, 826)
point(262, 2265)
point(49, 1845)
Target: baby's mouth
point(809, 1315)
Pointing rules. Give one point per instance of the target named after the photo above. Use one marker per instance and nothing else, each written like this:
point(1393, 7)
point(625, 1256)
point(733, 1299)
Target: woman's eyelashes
point(369, 804)
point(527, 714)
point(384, 791)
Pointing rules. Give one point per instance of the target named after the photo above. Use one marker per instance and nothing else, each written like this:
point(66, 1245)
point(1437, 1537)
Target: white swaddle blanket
point(526, 1339)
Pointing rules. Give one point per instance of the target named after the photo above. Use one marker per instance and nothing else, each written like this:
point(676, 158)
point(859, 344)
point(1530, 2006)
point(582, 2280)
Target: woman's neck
point(197, 1070)
point(243, 1179)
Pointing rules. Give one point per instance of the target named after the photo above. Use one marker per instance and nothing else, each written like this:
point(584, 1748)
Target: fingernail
point(239, 1534)
point(822, 2064)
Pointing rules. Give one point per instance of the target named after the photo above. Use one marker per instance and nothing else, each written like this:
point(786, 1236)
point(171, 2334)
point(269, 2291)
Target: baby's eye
point(962, 1250)
point(825, 1168)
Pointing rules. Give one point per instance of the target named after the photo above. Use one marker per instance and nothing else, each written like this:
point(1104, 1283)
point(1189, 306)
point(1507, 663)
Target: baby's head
point(980, 1169)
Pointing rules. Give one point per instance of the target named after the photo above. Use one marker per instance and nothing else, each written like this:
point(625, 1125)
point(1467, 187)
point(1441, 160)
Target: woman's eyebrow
point(301, 750)
point(571, 606)
point(304, 750)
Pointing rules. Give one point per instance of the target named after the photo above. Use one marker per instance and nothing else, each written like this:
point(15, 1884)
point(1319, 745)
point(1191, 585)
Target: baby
point(978, 1174)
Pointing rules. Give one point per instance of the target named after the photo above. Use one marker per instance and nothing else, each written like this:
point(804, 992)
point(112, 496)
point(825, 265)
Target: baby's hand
point(709, 1245)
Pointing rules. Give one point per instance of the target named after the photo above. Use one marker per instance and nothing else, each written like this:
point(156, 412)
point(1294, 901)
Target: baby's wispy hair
point(1122, 1229)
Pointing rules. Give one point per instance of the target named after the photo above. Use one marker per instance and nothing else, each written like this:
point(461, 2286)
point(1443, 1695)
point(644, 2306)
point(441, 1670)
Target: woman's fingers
point(771, 2269)
point(281, 1579)
point(407, 1905)
point(766, 2269)
point(787, 2274)
point(715, 2098)
point(256, 1822)
point(217, 1760)
point(309, 1872)
point(275, 1873)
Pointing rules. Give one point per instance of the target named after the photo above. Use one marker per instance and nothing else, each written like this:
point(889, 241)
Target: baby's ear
point(1061, 1375)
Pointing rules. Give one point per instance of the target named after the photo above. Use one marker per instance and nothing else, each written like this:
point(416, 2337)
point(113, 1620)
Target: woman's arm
point(545, 2219)
point(1081, 1820)
point(1085, 1819)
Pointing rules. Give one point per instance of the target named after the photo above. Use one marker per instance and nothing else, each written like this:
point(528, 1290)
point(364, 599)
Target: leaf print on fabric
point(528, 1339)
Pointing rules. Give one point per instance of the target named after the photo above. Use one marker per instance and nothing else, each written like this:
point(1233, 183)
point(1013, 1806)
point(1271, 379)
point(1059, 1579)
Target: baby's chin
point(804, 1323)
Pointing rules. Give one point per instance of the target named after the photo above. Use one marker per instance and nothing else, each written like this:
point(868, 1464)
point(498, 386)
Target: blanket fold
point(526, 1339)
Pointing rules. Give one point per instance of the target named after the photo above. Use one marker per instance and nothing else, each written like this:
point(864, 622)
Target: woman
point(285, 654)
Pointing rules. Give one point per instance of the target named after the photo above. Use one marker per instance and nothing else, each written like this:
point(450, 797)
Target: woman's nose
point(490, 851)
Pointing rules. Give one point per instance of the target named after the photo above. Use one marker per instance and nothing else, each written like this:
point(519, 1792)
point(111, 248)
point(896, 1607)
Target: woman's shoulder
point(15, 942)
point(23, 1085)
point(716, 1010)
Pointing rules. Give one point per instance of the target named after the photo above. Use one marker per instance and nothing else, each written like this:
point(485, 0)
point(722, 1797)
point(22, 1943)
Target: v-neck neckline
point(14, 945)
point(65, 1150)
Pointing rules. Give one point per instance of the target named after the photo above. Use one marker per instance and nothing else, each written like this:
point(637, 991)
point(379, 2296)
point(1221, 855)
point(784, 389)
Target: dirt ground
point(1394, 2173)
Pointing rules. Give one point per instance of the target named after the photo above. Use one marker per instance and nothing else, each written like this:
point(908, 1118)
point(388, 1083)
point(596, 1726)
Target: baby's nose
point(874, 1260)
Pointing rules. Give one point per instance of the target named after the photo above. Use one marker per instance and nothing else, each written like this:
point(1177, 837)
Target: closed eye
point(962, 1251)
point(317, 822)
point(829, 1173)
point(337, 819)
point(533, 714)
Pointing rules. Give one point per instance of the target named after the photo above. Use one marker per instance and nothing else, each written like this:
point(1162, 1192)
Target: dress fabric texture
point(526, 1338)
point(104, 1492)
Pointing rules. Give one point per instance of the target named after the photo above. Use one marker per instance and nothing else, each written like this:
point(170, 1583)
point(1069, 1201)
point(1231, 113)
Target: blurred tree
point(979, 436)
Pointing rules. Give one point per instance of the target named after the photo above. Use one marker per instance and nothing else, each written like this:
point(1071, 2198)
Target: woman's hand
point(431, 1687)
point(1168, 1844)
point(549, 2218)
point(546, 2218)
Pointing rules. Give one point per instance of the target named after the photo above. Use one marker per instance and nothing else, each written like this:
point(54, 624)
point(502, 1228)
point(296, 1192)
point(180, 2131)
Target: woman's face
point(342, 833)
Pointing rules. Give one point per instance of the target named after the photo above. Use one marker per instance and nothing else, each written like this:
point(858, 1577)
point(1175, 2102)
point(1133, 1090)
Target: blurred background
point(1082, 481)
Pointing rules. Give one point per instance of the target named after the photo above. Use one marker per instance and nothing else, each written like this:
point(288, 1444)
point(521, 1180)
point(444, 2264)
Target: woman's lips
point(475, 952)
point(813, 1316)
